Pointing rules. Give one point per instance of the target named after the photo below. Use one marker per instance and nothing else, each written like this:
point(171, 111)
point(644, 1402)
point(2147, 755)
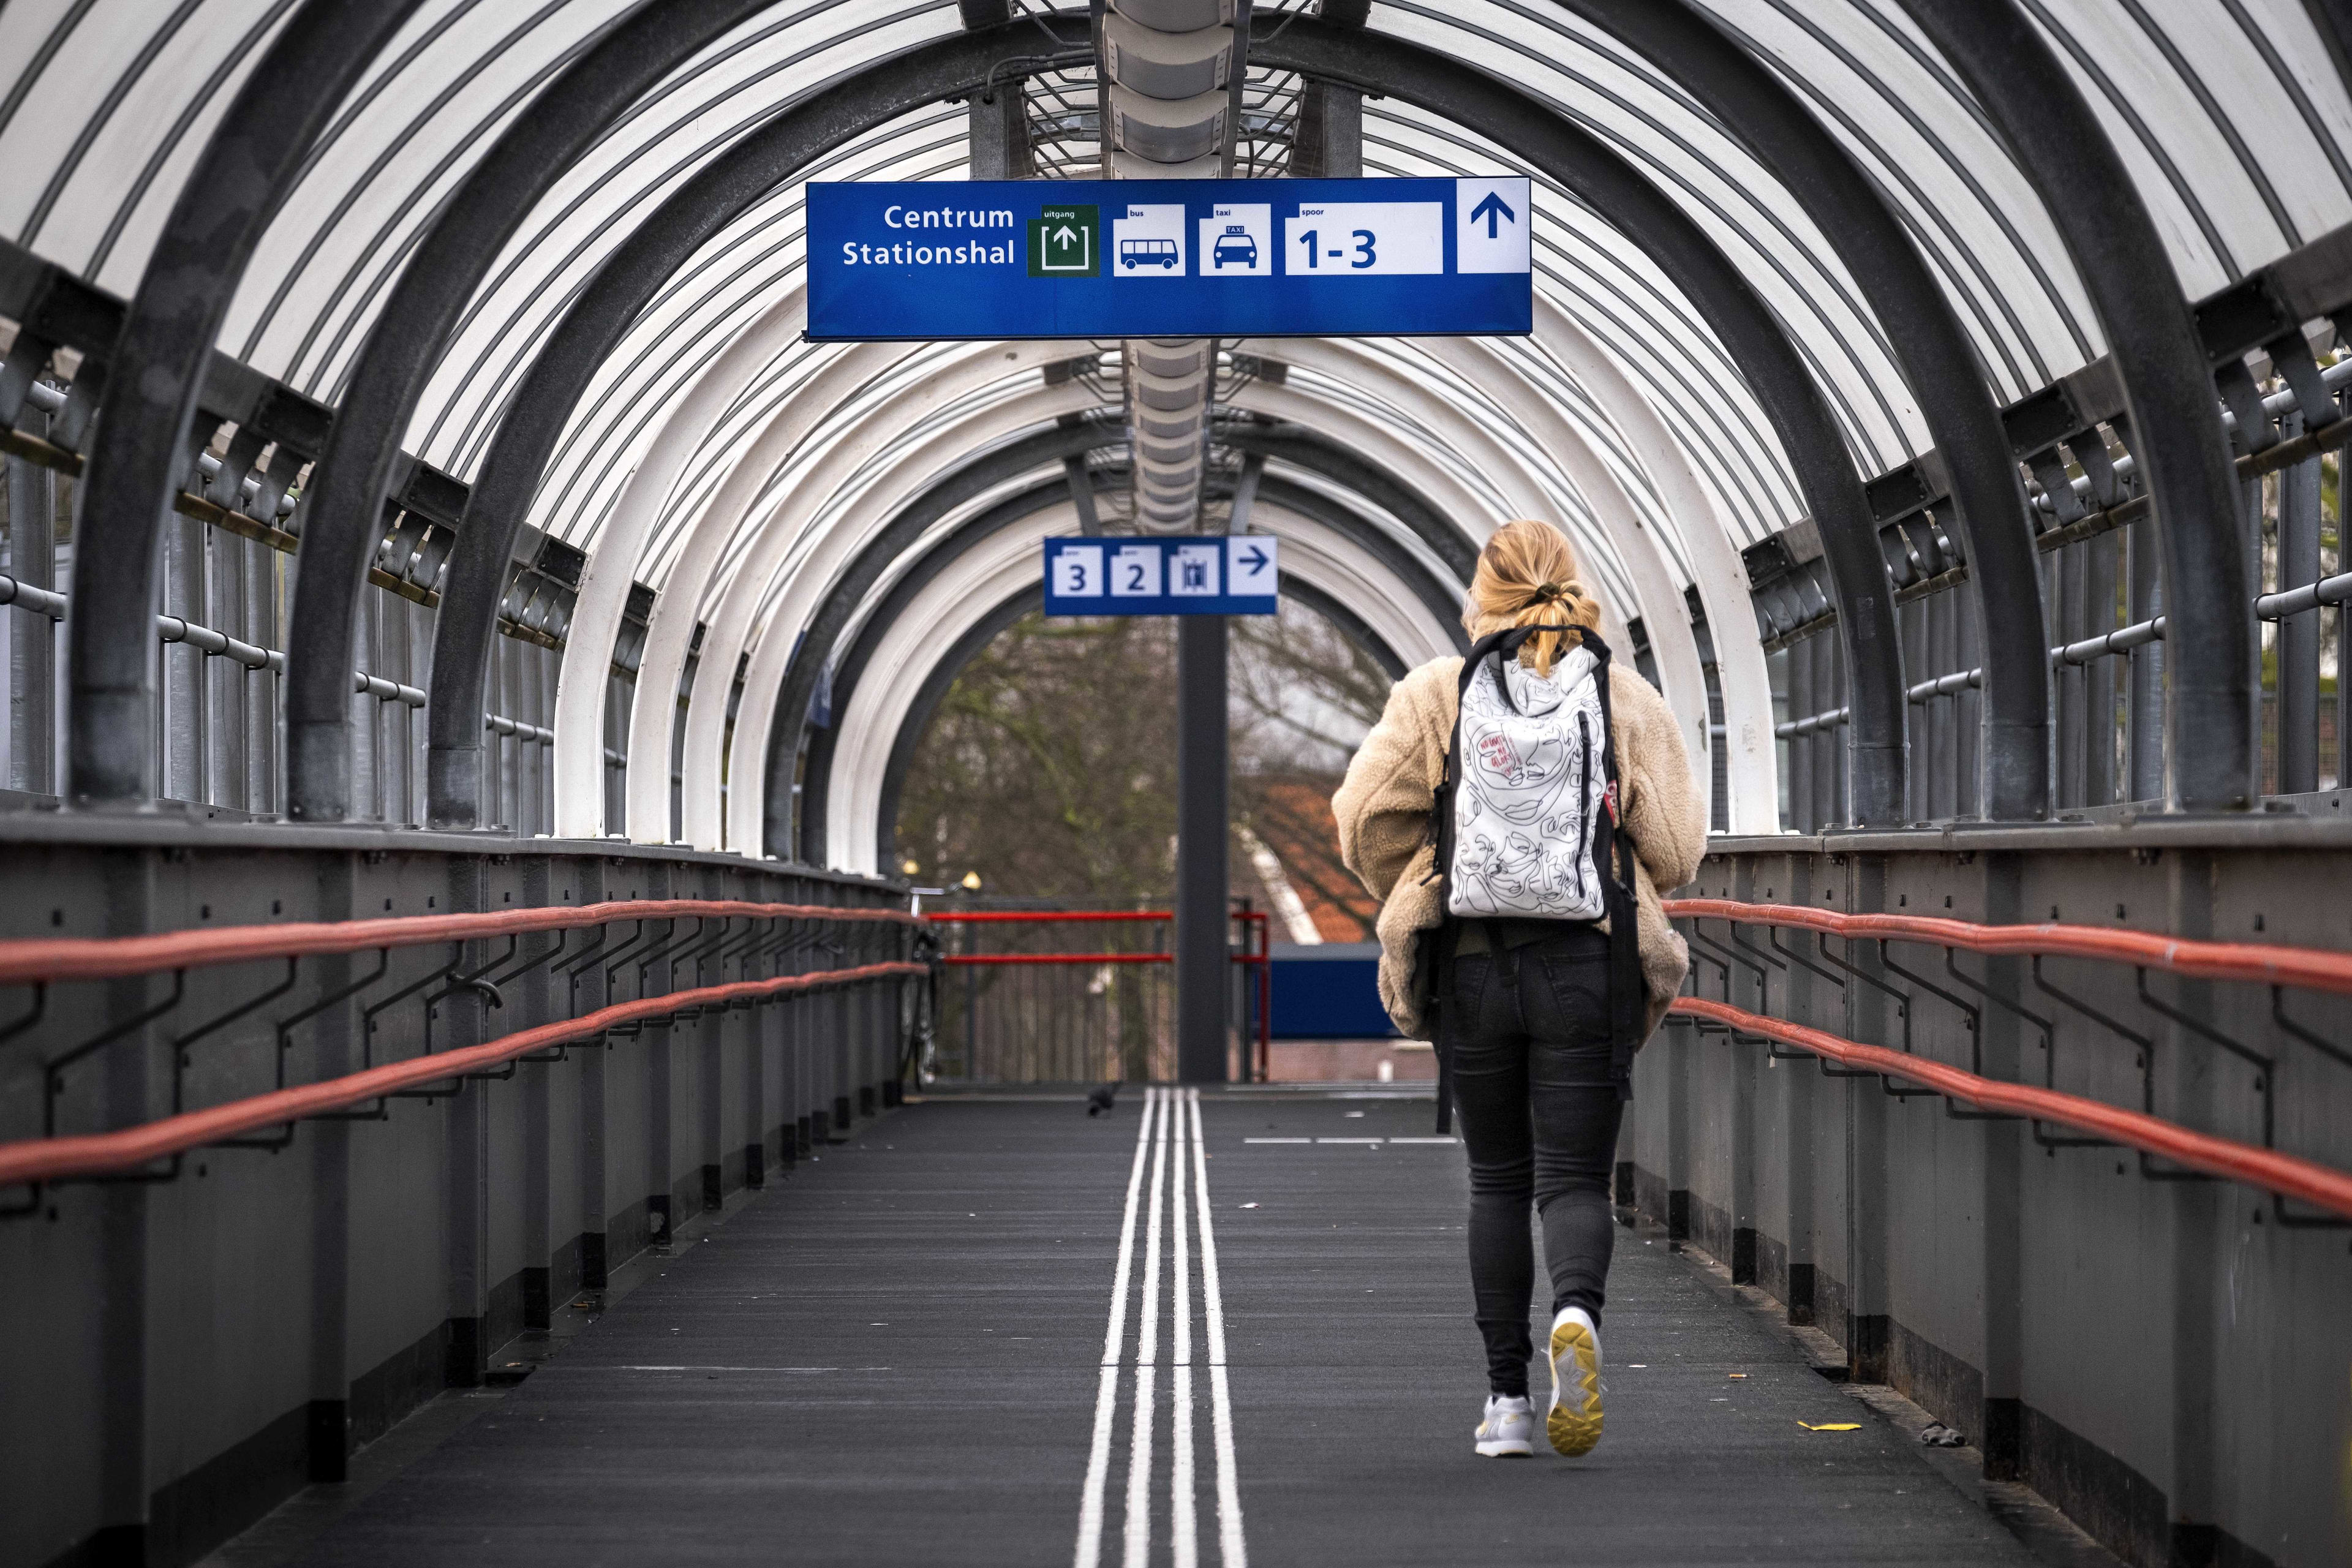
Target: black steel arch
point(1317, 453)
point(343, 505)
point(2212, 750)
point(1877, 752)
point(602, 312)
point(815, 776)
point(962, 652)
point(139, 448)
point(849, 589)
point(1927, 342)
point(967, 648)
point(594, 322)
point(815, 794)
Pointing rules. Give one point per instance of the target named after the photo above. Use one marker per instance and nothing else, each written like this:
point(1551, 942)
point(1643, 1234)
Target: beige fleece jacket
point(1383, 808)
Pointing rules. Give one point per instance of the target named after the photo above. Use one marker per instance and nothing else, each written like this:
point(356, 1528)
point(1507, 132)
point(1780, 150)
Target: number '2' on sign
point(1364, 239)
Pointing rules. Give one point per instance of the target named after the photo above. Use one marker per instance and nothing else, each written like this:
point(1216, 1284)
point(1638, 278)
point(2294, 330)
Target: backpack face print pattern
point(1530, 789)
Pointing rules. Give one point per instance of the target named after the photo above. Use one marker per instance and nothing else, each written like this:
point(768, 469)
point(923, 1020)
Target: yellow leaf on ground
point(1831, 1427)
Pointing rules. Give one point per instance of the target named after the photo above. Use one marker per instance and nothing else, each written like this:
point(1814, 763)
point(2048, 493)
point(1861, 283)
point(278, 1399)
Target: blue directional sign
point(1111, 258)
point(1191, 574)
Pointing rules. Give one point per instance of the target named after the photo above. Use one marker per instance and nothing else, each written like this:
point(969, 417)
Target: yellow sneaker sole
point(1572, 1432)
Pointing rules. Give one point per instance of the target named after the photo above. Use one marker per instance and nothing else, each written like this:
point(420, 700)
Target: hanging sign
point(1189, 575)
point(1182, 258)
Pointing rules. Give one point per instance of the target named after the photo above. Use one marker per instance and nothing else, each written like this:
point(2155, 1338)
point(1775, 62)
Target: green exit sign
point(1066, 242)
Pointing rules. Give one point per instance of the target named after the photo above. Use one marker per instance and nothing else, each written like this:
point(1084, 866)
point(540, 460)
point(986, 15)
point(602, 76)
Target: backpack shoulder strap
point(1497, 647)
point(1628, 991)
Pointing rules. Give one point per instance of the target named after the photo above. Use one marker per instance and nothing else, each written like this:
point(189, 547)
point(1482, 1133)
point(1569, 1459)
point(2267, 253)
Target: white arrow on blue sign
point(1190, 576)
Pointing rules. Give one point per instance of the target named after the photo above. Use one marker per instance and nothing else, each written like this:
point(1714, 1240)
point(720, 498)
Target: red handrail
point(953, 958)
point(1071, 917)
point(26, 959)
point(2259, 961)
point(984, 958)
point(1263, 958)
point(2320, 1185)
point(1053, 917)
point(94, 1153)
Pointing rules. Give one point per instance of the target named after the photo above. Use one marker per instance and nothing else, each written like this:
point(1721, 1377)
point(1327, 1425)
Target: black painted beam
point(139, 453)
point(1442, 599)
point(602, 312)
point(342, 508)
point(1937, 359)
point(2212, 746)
point(1773, 366)
point(876, 559)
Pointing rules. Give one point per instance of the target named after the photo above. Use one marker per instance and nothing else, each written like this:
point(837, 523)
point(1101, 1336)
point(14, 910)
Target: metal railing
point(1011, 1010)
point(2105, 620)
point(2284, 1177)
point(766, 944)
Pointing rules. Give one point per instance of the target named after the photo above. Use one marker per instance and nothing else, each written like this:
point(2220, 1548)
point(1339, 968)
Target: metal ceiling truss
point(1737, 242)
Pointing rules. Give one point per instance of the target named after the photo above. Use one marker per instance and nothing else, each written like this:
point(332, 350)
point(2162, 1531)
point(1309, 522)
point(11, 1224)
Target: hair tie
point(1549, 593)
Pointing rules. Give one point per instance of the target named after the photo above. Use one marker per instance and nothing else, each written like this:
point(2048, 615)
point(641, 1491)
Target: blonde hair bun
point(1526, 577)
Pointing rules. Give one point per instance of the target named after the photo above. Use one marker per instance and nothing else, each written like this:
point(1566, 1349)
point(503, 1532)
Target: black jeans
point(1527, 1031)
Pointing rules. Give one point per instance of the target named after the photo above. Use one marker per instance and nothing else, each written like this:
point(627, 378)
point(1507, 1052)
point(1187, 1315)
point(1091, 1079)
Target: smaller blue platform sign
point(1169, 258)
point(1192, 574)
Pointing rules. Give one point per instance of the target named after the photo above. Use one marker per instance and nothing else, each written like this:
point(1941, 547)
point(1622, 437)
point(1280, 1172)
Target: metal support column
point(32, 639)
point(2145, 703)
point(2298, 636)
point(1203, 879)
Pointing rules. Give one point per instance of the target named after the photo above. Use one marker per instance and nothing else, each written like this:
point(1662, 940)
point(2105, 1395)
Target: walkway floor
point(896, 1358)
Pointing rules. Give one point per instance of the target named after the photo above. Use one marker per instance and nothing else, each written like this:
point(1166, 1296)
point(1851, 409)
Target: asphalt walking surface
point(894, 1357)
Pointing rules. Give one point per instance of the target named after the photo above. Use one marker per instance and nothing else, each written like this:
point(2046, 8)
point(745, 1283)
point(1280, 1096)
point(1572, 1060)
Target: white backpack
point(1526, 822)
point(1532, 787)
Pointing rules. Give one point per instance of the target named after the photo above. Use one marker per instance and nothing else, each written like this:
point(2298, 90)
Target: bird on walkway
point(1102, 1099)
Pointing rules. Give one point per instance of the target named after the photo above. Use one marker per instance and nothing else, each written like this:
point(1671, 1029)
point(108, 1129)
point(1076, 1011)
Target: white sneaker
point(1573, 1424)
point(1508, 1430)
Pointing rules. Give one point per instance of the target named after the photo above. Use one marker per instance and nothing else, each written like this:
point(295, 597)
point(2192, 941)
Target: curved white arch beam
point(686, 589)
point(746, 809)
point(1751, 758)
point(669, 631)
point(769, 572)
point(746, 767)
point(1664, 614)
point(994, 571)
point(1638, 553)
point(1475, 517)
point(583, 678)
point(747, 760)
point(1525, 491)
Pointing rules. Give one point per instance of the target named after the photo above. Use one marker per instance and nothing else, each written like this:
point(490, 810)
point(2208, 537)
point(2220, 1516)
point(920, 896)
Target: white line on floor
point(1277, 1140)
point(1438, 1140)
point(1090, 1508)
point(1183, 1507)
point(1347, 1140)
point(792, 1369)
point(1232, 1551)
point(1137, 1553)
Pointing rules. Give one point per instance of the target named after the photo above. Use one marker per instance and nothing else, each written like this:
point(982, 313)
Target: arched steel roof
point(733, 467)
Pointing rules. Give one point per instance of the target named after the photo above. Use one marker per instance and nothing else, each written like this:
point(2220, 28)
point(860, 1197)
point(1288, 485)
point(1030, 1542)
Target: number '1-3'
point(1365, 255)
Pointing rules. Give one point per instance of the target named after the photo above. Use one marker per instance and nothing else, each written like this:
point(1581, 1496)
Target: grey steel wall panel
point(265, 1312)
point(2160, 1358)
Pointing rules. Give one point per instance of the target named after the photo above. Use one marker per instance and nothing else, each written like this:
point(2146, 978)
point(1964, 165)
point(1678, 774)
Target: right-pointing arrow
point(1256, 560)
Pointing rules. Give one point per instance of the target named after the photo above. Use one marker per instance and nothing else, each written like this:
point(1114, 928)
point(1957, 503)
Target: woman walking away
point(1515, 814)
